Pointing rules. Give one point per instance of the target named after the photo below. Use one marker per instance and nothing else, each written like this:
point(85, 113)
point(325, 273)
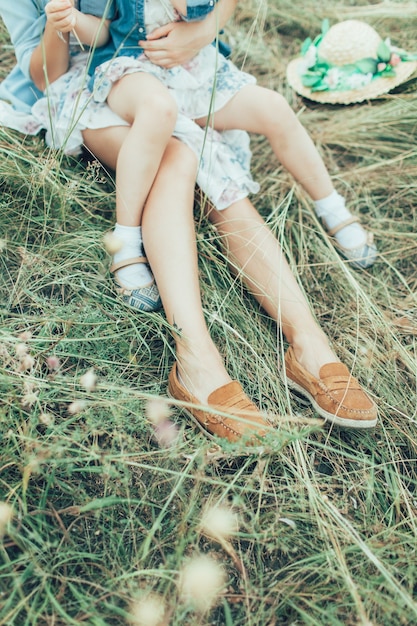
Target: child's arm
point(178, 42)
point(51, 57)
point(90, 29)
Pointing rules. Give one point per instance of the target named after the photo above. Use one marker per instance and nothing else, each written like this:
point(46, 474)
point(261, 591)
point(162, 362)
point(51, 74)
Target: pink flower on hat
point(395, 59)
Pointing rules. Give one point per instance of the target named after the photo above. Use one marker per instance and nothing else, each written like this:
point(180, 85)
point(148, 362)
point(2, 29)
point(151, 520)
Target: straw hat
point(347, 63)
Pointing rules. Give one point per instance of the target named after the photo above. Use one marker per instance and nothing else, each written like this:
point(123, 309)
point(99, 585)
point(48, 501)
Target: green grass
point(102, 514)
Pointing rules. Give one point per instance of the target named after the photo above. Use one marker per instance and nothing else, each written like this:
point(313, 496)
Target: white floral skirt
point(68, 108)
point(202, 86)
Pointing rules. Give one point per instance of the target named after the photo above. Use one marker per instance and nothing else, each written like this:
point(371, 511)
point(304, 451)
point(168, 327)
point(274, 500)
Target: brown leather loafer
point(243, 420)
point(336, 394)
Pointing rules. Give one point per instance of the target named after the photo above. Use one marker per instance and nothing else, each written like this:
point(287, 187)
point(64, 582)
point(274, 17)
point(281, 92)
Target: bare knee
point(277, 113)
point(140, 98)
point(182, 159)
point(159, 108)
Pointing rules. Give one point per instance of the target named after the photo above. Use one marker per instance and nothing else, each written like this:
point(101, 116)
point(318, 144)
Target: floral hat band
point(348, 62)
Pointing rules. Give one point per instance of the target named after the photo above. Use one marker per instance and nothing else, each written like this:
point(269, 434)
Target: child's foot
point(143, 298)
point(132, 274)
point(352, 240)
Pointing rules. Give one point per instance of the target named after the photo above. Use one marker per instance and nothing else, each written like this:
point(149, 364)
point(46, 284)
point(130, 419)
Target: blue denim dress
point(128, 27)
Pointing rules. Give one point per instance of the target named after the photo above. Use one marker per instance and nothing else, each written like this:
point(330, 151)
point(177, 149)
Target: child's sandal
point(144, 298)
point(362, 256)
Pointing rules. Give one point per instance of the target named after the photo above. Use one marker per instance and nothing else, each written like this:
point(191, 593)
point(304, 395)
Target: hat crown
point(349, 42)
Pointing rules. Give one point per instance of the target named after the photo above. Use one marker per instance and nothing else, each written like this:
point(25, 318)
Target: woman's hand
point(176, 43)
point(61, 15)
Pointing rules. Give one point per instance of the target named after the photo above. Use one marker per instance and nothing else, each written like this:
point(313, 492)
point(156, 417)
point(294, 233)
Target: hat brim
point(377, 87)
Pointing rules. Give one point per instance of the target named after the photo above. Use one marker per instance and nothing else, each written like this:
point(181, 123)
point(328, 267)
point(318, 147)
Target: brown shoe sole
point(329, 417)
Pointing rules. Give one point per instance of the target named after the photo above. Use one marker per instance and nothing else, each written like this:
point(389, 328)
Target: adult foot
point(334, 393)
point(229, 413)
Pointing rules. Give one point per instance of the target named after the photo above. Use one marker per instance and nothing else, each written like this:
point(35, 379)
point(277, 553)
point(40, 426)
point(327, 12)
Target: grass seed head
point(157, 410)
point(166, 433)
point(46, 419)
point(89, 380)
point(27, 363)
point(112, 243)
point(53, 363)
point(219, 522)
point(21, 350)
point(76, 407)
point(6, 516)
point(201, 582)
point(148, 611)
point(29, 399)
point(25, 336)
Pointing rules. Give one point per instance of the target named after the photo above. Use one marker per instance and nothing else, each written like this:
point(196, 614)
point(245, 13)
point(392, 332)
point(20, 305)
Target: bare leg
point(257, 256)
point(146, 105)
point(263, 111)
point(169, 236)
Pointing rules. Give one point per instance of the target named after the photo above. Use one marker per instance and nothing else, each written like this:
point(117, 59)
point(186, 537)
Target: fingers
point(153, 46)
point(161, 57)
point(61, 15)
point(160, 32)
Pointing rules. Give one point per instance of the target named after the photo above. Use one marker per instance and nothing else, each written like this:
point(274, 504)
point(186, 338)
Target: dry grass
point(102, 514)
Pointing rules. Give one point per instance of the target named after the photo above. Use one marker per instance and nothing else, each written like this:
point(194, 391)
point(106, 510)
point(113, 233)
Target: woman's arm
point(178, 42)
point(50, 59)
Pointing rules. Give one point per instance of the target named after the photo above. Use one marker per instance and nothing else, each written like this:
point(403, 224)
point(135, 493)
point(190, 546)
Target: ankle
point(133, 274)
point(333, 212)
point(312, 351)
point(202, 372)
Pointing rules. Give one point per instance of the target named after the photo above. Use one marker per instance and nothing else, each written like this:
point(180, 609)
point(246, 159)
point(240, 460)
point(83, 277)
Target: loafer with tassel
point(229, 414)
point(336, 395)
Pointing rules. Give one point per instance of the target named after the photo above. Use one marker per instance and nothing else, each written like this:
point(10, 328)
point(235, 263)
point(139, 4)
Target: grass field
point(319, 528)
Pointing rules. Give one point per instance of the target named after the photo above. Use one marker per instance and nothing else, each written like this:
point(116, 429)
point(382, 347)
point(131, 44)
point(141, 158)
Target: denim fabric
point(25, 21)
point(129, 27)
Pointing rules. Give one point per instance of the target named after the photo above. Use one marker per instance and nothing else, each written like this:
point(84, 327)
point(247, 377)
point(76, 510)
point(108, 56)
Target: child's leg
point(146, 104)
point(148, 107)
point(263, 111)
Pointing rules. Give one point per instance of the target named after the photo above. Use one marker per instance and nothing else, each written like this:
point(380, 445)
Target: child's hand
point(61, 15)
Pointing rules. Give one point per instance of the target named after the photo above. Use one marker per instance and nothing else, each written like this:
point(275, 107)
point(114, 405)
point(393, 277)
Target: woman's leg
point(258, 259)
point(169, 237)
point(311, 367)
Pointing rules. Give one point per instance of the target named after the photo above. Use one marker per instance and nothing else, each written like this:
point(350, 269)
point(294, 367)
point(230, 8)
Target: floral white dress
point(203, 85)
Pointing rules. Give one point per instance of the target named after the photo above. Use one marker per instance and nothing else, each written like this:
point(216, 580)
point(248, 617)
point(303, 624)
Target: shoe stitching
point(328, 392)
point(198, 412)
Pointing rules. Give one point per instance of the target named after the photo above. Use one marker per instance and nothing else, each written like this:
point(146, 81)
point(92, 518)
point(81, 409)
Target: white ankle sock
point(139, 274)
point(332, 211)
